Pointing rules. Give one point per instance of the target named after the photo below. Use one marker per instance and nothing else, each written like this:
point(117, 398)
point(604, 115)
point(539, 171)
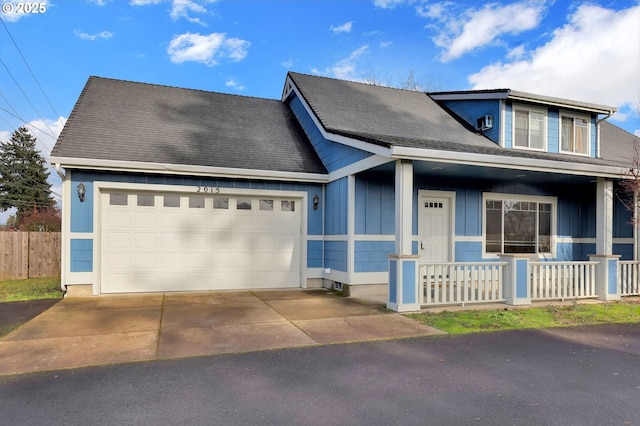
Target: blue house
point(437, 198)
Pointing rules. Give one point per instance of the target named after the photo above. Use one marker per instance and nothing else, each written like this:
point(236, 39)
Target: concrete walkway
point(79, 332)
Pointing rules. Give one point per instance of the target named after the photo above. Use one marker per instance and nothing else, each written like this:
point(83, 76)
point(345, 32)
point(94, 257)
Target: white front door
point(435, 233)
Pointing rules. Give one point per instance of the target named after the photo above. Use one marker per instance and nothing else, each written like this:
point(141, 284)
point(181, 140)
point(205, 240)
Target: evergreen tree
point(23, 176)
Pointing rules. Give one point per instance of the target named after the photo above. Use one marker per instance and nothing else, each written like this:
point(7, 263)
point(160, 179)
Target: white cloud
point(181, 8)
point(92, 37)
point(186, 8)
point(145, 2)
point(345, 69)
point(232, 83)
point(593, 58)
point(207, 49)
point(344, 28)
point(390, 4)
point(460, 33)
point(287, 64)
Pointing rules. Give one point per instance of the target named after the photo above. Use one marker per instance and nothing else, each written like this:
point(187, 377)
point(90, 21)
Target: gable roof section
point(132, 122)
point(617, 145)
point(409, 119)
point(382, 115)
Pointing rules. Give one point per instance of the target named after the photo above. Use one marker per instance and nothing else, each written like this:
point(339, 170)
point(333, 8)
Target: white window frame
point(487, 196)
point(574, 116)
point(545, 121)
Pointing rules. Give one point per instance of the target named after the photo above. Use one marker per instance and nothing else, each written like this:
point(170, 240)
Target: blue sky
point(587, 51)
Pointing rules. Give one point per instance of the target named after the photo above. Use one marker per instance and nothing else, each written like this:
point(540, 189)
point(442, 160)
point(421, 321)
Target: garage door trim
point(104, 186)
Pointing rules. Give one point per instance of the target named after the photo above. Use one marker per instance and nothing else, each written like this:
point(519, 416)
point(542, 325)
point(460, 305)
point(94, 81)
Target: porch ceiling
point(460, 171)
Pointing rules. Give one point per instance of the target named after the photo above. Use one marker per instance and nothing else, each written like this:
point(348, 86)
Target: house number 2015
point(206, 189)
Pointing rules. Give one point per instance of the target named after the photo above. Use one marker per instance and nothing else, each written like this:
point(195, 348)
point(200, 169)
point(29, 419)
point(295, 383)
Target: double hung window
point(514, 225)
point(529, 128)
point(574, 135)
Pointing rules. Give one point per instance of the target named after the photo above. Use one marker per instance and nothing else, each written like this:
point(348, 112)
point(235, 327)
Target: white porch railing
point(562, 280)
point(629, 277)
point(461, 282)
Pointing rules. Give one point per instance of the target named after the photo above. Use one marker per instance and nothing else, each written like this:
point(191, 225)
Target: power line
point(29, 68)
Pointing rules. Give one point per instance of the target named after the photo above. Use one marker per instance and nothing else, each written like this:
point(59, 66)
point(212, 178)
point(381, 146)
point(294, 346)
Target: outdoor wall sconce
point(316, 201)
point(81, 191)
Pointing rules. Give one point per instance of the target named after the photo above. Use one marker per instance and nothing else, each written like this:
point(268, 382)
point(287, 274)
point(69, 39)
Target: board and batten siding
point(333, 155)
point(81, 214)
point(471, 110)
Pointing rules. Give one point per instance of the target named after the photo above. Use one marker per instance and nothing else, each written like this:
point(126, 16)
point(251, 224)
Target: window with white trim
point(518, 225)
point(529, 128)
point(574, 134)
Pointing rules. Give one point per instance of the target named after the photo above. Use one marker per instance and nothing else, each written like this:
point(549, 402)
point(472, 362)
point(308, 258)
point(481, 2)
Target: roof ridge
point(292, 73)
point(178, 88)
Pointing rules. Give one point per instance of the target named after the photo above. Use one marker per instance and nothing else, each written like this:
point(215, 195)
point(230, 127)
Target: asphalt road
point(506, 378)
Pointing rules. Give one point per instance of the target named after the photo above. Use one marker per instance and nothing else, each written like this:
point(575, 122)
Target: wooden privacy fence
point(29, 255)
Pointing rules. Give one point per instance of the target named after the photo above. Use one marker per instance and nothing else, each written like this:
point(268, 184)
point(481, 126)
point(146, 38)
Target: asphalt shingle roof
point(128, 121)
point(393, 117)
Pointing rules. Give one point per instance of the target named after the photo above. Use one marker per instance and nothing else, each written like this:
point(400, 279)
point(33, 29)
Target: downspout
point(63, 247)
point(59, 171)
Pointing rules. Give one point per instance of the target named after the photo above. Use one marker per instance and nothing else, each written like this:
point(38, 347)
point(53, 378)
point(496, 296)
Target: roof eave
point(184, 169)
point(515, 163)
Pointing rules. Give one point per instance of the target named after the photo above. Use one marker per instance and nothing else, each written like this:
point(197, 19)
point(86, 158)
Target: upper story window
point(574, 134)
point(529, 128)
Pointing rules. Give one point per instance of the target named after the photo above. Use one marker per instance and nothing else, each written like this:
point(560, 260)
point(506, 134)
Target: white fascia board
point(180, 169)
point(503, 162)
point(354, 143)
point(561, 103)
point(455, 96)
point(523, 97)
point(359, 166)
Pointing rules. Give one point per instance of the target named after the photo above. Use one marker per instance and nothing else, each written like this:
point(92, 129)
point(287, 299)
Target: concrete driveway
point(101, 330)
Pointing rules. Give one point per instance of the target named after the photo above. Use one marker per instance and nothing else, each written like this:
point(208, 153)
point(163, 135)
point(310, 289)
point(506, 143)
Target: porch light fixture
point(81, 191)
point(316, 201)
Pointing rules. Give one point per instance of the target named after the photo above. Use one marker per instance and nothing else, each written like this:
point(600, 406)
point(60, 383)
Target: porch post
point(604, 217)
point(515, 279)
point(403, 265)
point(607, 285)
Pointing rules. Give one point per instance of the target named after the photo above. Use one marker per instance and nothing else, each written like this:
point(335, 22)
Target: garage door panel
point(144, 240)
point(174, 245)
point(117, 219)
point(119, 261)
point(170, 220)
point(170, 240)
point(220, 222)
point(195, 260)
point(170, 261)
point(195, 241)
point(242, 241)
point(145, 220)
point(144, 261)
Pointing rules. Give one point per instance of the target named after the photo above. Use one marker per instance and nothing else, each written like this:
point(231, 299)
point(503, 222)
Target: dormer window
point(574, 135)
point(529, 128)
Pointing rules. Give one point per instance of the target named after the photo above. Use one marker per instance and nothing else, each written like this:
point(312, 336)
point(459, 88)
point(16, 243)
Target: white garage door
point(179, 242)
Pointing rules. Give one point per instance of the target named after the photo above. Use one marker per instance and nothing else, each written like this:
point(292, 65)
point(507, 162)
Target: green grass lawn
point(473, 321)
point(30, 289)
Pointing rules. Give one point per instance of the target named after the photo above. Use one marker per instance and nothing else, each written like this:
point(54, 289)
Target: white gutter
point(179, 169)
point(503, 162)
